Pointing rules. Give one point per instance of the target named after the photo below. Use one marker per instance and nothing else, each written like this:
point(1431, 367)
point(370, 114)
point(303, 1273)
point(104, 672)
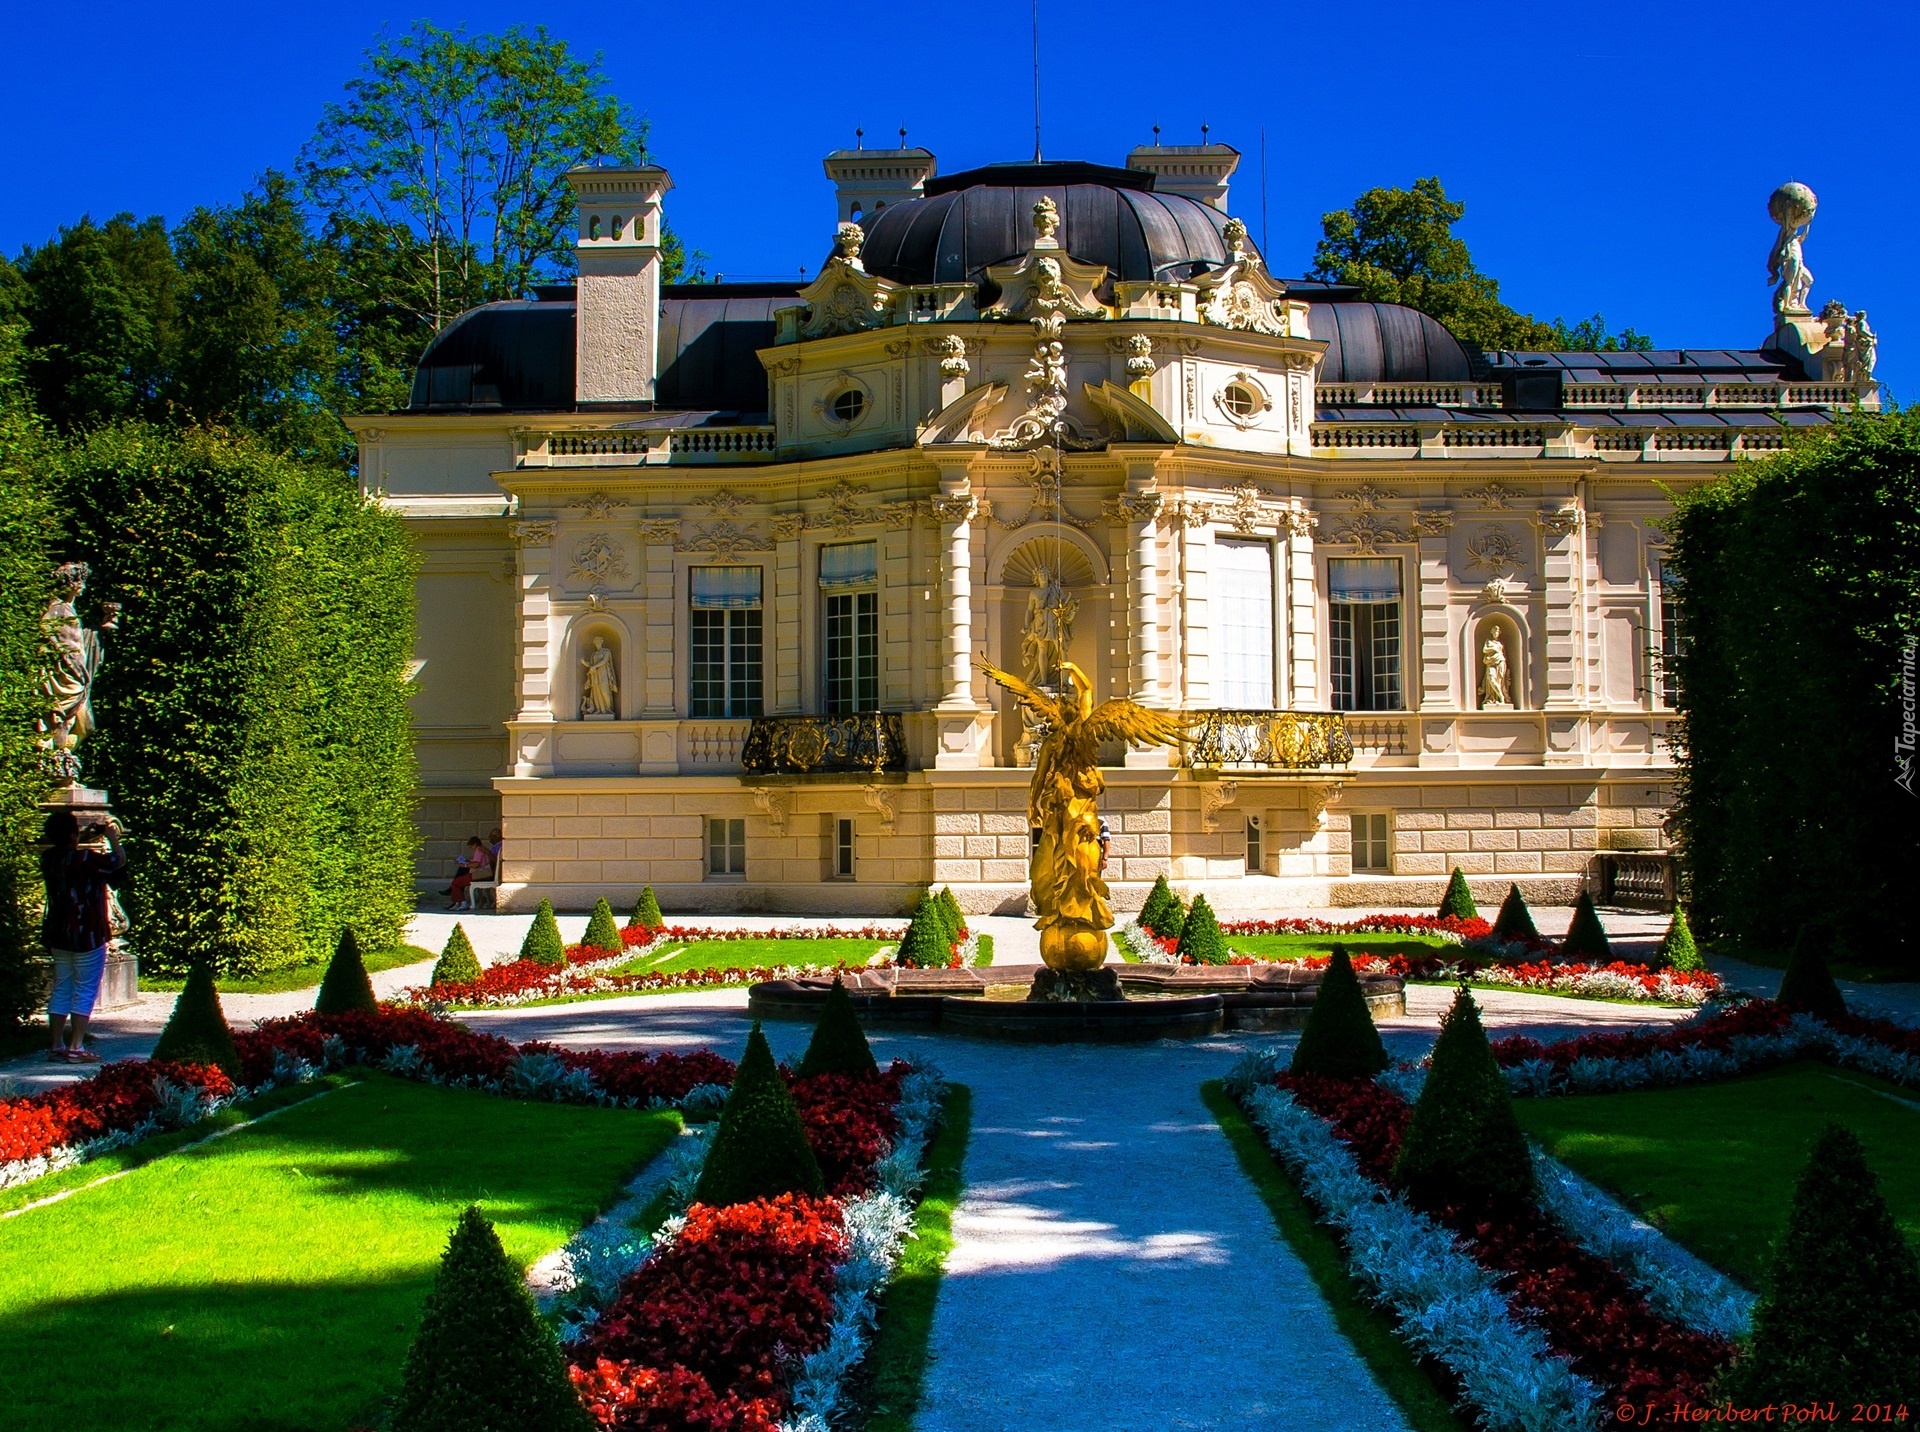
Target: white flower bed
point(1133, 939)
point(1446, 1304)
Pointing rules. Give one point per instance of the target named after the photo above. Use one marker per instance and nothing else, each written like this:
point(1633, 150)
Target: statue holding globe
point(1791, 207)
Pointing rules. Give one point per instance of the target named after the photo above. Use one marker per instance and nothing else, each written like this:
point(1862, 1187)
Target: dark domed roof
point(1385, 343)
point(985, 216)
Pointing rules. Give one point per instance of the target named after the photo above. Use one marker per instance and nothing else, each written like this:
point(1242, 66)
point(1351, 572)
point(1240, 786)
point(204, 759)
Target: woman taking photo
point(76, 928)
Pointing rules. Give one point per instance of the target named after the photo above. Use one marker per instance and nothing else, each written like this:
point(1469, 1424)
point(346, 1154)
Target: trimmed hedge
point(839, 1045)
point(253, 706)
point(1458, 901)
point(1515, 921)
point(458, 964)
point(602, 933)
point(1677, 950)
point(1808, 982)
point(1340, 1038)
point(197, 1030)
point(347, 987)
point(1163, 913)
point(646, 911)
point(482, 1358)
point(926, 944)
point(760, 1149)
point(1839, 1318)
point(1463, 1143)
point(1798, 588)
point(1200, 938)
point(1586, 936)
point(543, 944)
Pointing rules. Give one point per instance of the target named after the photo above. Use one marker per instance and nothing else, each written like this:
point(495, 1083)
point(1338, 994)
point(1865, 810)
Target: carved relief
point(723, 503)
point(881, 799)
point(773, 805)
point(845, 509)
point(952, 351)
point(1493, 496)
point(661, 531)
point(787, 525)
point(1245, 511)
point(953, 509)
point(1558, 522)
point(1368, 498)
point(1493, 551)
point(533, 534)
point(724, 540)
point(1139, 350)
point(1366, 532)
point(1136, 507)
point(598, 506)
point(1215, 796)
point(599, 560)
point(1433, 521)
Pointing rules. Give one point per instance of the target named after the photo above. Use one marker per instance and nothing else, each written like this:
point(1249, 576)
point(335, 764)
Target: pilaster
point(1303, 614)
point(658, 536)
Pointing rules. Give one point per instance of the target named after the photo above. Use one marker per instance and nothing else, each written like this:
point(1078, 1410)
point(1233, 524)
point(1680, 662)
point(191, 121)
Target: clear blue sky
point(1612, 158)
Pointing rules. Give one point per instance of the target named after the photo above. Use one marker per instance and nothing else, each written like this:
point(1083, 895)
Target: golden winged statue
point(1063, 804)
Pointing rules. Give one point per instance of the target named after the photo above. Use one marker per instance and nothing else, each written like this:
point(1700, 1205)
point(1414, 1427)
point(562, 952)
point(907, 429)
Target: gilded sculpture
point(1063, 805)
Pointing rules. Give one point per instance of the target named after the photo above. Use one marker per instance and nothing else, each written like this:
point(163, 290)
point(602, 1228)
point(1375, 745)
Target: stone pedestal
point(120, 981)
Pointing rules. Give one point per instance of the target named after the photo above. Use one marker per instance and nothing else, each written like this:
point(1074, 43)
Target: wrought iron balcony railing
point(868, 742)
point(1277, 740)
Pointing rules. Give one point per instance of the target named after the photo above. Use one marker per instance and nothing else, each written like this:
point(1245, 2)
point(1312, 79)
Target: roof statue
point(1792, 208)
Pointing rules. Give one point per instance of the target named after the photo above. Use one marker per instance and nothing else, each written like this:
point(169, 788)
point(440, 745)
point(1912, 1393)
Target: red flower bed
point(1472, 929)
point(116, 1099)
point(1590, 1314)
point(630, 1074)
point(699, 1337)
point(850, 1122)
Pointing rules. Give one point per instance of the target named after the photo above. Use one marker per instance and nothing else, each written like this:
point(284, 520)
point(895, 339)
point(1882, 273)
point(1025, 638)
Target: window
point(1363, 610)
point(1241, 401)
point(849, 577)
point(1244, 580)
point(1371, 848)
point(725, 629)
point(1254, 863)
point(726, 847)
point(847, 406)
point(1666, 684)
point(843, 848)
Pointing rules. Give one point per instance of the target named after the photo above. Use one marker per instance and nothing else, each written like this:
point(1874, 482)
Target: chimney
point(1199, 171)
point(867, 180)
point(616, 320)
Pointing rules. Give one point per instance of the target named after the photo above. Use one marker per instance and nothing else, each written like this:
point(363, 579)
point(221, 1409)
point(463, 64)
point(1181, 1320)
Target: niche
point(597, 674)
point(1497, 659)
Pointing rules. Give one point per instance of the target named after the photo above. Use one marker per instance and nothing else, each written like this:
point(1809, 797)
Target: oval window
point(848, 406)
point(1241, 400)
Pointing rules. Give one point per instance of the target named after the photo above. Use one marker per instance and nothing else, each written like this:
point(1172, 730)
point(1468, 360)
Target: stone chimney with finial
point(617, 308)
point(867, 180)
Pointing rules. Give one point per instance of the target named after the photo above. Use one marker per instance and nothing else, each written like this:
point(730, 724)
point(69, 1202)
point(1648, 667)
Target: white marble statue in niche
point(599, 686)
point(1496, 676)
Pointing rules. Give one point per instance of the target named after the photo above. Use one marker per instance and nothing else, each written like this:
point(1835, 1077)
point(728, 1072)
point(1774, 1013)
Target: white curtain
point(1243, 617)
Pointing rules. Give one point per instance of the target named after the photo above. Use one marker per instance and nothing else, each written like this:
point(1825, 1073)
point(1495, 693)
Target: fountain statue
point(1063, 805)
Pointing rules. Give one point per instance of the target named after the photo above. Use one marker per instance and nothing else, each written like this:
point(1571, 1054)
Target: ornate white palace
point(707, 570)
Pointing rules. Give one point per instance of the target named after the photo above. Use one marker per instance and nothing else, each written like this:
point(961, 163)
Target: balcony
point(867, 743)
point(1268, 740)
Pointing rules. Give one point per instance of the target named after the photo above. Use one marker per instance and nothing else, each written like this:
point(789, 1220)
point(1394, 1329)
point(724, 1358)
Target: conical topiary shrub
point(1458, 901)
point(1677, 950)
point(346, 988)
point(543, 944)
point(1515, 921)
point(955, 917)
point(760, 1149)
point(457, 964)
point(839, 1045)
point(646, 911)
point(1339, 1039)
point(1200, 938)
point(1158, 905)
point(925, 945)
point(1586, 936)
point(1463, 1144)
point(1808, 986)
point(196, 1031)
point(602, 933)
point(482, 1358)
point(1839, 1318)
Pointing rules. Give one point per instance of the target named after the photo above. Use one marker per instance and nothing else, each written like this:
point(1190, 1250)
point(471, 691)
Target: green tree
point(646, 911)
point(602, 932)
point(1586, 936)
point(455, 147)
point(1398, 246)
point(1340, 1038)
point(760, 1149)
point(1515, 921)
point(197, 1031)
point(1463, 1143)
point(1677, 949)
point(1807, 984)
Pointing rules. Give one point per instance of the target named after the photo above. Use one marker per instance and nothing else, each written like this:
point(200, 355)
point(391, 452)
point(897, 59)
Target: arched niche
point(587, 636)
point(1507, 626)
point(1021, 568)
point(1014, 556)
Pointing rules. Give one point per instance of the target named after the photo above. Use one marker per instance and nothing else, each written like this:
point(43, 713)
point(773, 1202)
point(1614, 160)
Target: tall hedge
point(253, 706)
point(28, 536)
point(1798, 584)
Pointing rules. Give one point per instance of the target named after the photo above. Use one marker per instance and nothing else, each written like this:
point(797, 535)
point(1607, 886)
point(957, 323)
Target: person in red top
point(76, 928)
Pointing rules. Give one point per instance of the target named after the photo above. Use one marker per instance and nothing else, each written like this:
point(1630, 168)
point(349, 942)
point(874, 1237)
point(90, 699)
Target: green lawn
point(295, 976)
point(273, 1278)
point(1714, 1165)
point(751, 954)
point(1294, 947)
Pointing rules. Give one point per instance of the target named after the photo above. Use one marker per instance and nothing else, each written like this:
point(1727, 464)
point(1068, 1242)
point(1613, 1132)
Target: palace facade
point(709, 571)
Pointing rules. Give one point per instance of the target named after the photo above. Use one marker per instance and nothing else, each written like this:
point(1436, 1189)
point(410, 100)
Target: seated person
point(476, 864)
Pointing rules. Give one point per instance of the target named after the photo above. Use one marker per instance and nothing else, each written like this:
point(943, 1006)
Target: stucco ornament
point(1241, 294)
point(75, 655)
point(847, 242)
point(598, 560)
point(952, 349)
point(1493, 551)
point(845, 298)
point(599, 686)
point(1792, 207)
point(1496, 688)
point(1063, 804)
point(1046, 223)
point(1139, 355)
